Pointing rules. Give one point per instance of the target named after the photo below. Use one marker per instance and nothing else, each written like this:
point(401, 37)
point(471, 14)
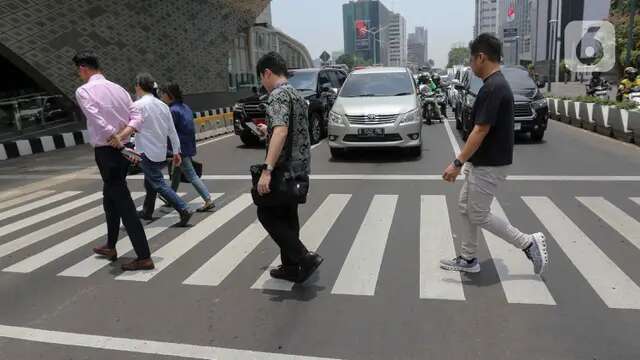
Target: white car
point(376, 107)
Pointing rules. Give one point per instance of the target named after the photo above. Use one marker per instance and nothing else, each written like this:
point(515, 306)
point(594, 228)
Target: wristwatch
point(457, 163)
point(267, 167)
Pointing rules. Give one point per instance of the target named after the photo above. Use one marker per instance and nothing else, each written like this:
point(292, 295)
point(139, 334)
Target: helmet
point(436, 78)
point(630, 71)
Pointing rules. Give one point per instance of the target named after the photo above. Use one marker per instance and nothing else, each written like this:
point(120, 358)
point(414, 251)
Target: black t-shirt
point(494, 106)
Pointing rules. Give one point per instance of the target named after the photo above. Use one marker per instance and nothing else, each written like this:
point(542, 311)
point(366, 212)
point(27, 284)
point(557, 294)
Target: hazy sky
point(318, 23)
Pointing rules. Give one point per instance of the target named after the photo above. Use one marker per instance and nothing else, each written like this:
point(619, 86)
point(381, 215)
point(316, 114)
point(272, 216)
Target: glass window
point(324, 78)
point(519, 79)
point(303, 80)
point(378, 84)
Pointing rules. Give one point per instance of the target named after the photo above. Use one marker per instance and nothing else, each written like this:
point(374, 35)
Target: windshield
point(303, 80)
point(378, 84)
point(475, 83)
point(518, 79)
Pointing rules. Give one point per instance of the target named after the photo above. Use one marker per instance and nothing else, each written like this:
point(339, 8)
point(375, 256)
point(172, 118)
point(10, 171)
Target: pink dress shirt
point(108, 109)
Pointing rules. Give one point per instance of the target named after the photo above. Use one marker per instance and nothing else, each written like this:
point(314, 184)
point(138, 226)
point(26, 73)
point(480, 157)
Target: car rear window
point(378, 84)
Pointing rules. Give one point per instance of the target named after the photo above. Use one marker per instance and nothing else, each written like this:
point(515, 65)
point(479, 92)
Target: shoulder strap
point(291, 130)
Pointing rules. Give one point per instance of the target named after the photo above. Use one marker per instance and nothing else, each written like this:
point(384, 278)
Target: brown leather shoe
point(146, 264)
point(111, 254)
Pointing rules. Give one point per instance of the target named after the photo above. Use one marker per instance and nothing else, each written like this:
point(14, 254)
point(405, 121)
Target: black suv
point(320, 88)
point(531, 112)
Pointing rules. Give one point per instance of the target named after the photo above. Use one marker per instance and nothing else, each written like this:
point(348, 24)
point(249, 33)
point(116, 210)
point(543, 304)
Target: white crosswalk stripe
point(615, 288)
point(520, 284)
point(36, 204)
point(45, 257)
point(53, 229)
point(92, 264)
point(312, 233)
point(436, 243)
point(616, 218)
point(169, 253)
point(359, 274)
point(25, 198)
point(21, 224)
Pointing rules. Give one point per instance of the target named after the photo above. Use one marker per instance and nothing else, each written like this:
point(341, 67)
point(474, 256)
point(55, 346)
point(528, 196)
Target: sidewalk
point(573, 89)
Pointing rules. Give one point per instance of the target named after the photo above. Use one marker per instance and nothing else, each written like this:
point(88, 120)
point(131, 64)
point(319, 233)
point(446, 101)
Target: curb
point(209, 123)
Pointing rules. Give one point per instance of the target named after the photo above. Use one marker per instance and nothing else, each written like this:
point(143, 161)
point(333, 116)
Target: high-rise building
point(365, 24)
point(397, 41)
point(418, 47)
point(486, 17)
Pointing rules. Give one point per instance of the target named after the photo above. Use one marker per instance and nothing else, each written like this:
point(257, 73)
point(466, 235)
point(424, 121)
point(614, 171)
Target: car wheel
point(415, 151)
point(337, 153)
point(537, 135)
point(249, 139)
point(315, 131)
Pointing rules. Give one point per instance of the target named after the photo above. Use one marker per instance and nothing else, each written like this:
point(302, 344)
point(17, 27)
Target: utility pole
point(630, 41)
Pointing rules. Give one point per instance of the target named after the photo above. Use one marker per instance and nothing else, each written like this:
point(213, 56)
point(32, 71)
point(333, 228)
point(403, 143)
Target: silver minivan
point(376, 107)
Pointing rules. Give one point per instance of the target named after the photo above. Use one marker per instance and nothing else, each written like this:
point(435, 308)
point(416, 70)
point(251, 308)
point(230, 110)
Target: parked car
point(377, 107)
point(455, 101)
point(531, 112)
point(319, 86)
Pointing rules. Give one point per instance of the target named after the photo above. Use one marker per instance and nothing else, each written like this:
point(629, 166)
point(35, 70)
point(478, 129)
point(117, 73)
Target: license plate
point(371, 132)
point(517, 126)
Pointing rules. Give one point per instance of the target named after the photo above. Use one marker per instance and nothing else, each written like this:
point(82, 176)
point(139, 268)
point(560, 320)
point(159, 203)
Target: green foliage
point(352, 61)
point(458, 56)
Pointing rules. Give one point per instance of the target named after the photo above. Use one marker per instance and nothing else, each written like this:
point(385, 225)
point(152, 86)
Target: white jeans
point(478, 191)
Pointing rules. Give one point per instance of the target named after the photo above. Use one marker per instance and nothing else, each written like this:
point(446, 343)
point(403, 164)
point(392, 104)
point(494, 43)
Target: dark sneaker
point(135, 265)
point(185, 216)
point(308, 266)
point(286, 272)
point(461, 264)
point(537, 253)
point(145, 216)
point(208, 206)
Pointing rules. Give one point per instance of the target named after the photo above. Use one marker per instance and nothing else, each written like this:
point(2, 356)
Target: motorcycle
point(430, 99)
point(601, 91)
point(634, 95)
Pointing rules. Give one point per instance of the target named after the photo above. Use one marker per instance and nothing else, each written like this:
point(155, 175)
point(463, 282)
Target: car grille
point(386, 138)
point(377, 120)
point(522, 110)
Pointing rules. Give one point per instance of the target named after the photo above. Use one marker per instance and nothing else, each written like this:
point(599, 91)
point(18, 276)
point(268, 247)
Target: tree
point(431, 63)
point(619, 17)
point(352, 61)
point(458, 56)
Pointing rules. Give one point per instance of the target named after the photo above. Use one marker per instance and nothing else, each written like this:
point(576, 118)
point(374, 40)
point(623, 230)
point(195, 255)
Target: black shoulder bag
point(289, 180)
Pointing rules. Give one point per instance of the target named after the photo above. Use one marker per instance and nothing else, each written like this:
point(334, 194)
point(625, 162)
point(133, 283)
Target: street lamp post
point(375, 33)
point(551, 51)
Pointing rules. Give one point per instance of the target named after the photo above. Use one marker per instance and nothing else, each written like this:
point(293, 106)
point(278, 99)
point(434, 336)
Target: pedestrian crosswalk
point(71, 221)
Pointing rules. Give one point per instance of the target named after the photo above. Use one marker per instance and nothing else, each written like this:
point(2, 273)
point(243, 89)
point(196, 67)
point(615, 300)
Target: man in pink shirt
point(111, 119)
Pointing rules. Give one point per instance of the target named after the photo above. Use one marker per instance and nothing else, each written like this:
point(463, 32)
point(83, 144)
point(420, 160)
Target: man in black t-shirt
point(488, 154)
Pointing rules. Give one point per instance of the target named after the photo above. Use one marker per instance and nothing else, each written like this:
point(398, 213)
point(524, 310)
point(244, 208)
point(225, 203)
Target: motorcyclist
point(425, 79)
point(596, 82)
point(630, 82)
point(438, 88)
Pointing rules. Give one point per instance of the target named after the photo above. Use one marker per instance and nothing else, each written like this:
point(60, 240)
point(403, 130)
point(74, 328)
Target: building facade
point(486, 16)
point(397, 39)
point(418, 47)
point(365, 24)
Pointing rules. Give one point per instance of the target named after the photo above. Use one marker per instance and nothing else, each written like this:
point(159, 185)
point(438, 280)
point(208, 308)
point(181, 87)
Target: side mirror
point(541, 83)
point(460, 87)
point(326, 87)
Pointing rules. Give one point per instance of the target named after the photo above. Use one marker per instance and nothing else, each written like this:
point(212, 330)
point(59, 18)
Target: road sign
point(510, 32)
point(325, 56)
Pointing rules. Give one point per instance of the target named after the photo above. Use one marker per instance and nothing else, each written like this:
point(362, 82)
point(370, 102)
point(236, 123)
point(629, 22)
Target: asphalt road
point(380, 219)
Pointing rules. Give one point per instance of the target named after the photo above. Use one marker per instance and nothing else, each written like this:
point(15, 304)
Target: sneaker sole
point(475, 269)
point(541, 241)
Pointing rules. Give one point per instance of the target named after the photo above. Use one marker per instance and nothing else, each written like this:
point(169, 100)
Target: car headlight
point(336, 119)
point(308, 102)
point(539, 104)
point(410, 117)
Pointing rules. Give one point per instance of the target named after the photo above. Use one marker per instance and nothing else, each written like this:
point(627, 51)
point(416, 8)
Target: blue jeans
point(154, 183)
point(186, 169)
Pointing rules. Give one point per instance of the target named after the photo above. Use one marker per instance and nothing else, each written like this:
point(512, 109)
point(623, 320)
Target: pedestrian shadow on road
point(300, 292)
point(375, 156)
point(489, 274)
point(525, 139)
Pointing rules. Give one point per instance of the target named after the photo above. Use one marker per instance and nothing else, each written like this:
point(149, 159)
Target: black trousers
point(283, 225)
point(117, 201)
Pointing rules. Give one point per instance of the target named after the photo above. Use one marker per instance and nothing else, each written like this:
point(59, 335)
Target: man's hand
point(262, 128)
point(115, 141)
point(451, 173)
point(263, 183)
point(177, 160)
